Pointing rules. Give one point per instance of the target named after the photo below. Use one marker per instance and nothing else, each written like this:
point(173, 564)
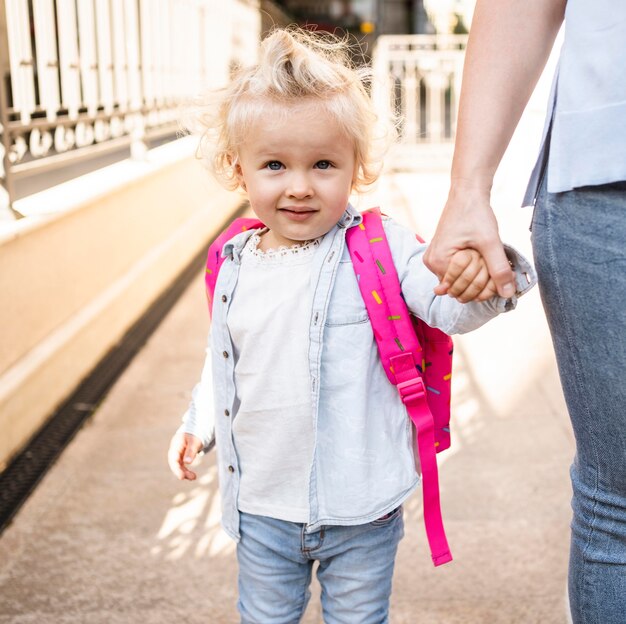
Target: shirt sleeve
point(199, 419)
point(444, 312)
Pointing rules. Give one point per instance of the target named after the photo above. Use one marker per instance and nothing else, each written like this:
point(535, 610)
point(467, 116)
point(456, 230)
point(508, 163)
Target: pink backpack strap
point(214, 257)
point(436, 369)
point(401, 354)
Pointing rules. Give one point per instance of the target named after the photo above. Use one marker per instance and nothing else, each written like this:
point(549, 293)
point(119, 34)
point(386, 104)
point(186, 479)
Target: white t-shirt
point(268, 320)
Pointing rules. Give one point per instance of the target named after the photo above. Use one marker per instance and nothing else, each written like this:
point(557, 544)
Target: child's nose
point(299, 186)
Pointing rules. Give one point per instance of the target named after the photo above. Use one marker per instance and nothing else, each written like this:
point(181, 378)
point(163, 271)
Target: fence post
point(7, 191)
point(79, 80)
point(422, 75)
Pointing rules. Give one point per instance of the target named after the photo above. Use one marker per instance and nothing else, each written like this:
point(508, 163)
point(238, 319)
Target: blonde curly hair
point(294, 64)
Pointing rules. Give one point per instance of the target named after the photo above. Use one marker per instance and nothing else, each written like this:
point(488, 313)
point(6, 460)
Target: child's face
point(298, 168)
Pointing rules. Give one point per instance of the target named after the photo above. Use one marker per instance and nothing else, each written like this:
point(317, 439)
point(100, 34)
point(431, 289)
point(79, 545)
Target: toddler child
point(314, 446)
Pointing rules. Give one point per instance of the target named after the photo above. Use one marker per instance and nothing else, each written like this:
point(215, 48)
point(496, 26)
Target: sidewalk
point(110, 536)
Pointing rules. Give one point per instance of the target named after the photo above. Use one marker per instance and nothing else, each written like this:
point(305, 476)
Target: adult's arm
point(509, 44)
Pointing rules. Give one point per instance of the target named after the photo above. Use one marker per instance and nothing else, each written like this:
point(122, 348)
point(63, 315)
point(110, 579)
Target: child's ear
point(237, 170)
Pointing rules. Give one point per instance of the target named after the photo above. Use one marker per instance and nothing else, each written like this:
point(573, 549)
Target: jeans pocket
point(388, 518)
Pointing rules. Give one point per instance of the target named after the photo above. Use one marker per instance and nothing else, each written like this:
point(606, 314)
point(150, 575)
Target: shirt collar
point(350, 217)
point(233, 248)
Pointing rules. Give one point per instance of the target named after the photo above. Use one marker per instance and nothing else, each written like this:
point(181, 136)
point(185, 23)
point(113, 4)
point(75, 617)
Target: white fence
point(418, 77)
point(80, 76)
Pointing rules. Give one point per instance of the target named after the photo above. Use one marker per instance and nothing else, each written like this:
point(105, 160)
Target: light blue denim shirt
point(363, 464)
point(584, 138)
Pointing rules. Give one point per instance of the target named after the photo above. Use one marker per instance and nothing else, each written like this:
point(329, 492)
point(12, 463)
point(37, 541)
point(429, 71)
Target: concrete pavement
point(110, 536)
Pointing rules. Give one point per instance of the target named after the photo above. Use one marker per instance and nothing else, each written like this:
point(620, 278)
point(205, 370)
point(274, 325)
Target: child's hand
point(183, 450)
point(467, 278)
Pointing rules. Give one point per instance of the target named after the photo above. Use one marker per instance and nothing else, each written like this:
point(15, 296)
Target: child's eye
point(274, 165)
point(323, 164)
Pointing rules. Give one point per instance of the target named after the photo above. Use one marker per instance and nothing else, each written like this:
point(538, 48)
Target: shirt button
point(231, 469)
point(225, 354)
point(226, 412)
point(224, 298)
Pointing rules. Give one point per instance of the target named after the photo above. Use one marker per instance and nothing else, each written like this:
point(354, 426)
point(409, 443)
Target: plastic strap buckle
point(412, 391)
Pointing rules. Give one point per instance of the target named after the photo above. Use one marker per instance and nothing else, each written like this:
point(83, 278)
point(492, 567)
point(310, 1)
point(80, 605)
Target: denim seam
point(307, 551)
point(580, 383)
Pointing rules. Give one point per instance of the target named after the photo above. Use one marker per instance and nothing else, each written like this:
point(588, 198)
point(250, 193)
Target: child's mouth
point(297, 215)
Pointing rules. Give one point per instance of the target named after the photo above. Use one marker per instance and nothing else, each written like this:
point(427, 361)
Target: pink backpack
point(417, 358)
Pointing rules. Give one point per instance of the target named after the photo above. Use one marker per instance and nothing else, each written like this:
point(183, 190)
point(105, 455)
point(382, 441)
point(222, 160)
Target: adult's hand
point(468, 222)
point(499, 74)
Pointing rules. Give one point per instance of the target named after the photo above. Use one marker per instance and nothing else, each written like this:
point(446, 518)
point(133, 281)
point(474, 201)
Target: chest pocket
point(346, 305)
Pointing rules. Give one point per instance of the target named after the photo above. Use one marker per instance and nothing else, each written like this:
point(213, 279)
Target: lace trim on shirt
point(283, 253)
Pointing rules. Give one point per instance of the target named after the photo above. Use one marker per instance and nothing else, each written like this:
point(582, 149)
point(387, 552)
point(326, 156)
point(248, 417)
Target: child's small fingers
point(192, 447)
point(178, 470)
point(441, 289)
point(479, 281)
point(182, 472)
point(466, 282)
point(473, 268)
point(190, 475)
point(181, 453)
point(488, 291)
point(475, 282)
point(458, 264)
point(462, 282)
point(470, 293)
point(458, 288)
point(176, 466)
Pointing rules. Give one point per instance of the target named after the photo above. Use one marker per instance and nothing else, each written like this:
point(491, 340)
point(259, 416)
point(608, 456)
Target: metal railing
point(418, 77)
point(85, 77)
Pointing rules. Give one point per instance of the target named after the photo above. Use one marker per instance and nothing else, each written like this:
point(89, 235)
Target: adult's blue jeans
point(355, 569)
point(579, 241)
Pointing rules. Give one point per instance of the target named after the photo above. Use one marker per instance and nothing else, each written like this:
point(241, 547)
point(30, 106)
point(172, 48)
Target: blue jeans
point(355, 569)
point(579, 240)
